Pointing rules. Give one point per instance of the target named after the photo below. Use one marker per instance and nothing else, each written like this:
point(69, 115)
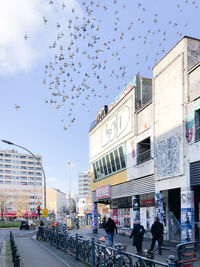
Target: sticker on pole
point(45, 212)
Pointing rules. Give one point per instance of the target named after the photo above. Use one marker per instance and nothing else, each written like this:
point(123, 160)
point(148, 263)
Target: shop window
point(112, 162)
point(144, 151)
point(104, 166)
point(108, 164)
point(197, 125)
point(122, 159)
point(117, 159)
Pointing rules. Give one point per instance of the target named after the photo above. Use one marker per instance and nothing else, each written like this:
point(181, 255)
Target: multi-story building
point(56, 202)
point(20, 183)
point(84, 193)
point(144, 147)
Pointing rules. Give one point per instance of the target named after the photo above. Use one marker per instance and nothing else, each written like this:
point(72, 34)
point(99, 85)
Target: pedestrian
point(109, 228)
point(137, 233)
point(104, 222)
point(157, 233)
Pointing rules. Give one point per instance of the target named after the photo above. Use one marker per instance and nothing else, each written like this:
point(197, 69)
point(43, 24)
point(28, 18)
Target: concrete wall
point(168, 97)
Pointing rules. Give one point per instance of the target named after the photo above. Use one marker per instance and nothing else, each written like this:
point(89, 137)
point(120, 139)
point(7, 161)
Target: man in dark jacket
point(157, 233)
point(138, 233)
point(109, 228)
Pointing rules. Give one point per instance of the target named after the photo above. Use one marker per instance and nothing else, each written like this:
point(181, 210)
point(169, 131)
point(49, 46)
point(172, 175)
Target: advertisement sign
point(94, 217)
point(187, 216)
point(52, 204)
point(115, 216)
point(103, 192)
point(136, 208)
point(121, 217)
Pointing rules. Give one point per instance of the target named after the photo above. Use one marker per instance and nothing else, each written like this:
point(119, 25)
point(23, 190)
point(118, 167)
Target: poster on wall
point(136, 208)
point(121, 217)
point(143, 216)
point(131, 218)
point(114, 213)
point(187, 216)
point(127, 218)
point(159, 206)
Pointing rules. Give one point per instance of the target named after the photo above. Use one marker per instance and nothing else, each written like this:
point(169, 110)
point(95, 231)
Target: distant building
point(56, 202)
point(21, 185)
point(84, 192)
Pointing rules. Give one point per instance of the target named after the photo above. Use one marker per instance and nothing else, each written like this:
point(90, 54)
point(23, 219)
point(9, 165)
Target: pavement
point(125, 240)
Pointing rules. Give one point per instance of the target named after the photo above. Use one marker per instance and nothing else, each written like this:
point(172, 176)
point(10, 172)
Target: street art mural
point(193, 55)
point(190, 117)
point(168, 156)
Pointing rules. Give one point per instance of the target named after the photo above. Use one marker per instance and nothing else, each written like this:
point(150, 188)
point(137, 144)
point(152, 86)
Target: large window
point(110, 163)
point(143, 93)
point(197, 125)
point(144, 151)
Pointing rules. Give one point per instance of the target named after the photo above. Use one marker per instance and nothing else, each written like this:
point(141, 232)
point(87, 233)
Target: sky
point(59, 88)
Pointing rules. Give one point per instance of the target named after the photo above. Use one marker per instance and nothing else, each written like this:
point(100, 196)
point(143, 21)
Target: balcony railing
point(142, 157)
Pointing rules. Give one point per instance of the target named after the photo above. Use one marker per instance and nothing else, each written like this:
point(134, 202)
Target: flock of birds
point(86, 62)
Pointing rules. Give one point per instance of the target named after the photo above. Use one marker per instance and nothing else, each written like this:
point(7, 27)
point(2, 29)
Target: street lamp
point(11, 143)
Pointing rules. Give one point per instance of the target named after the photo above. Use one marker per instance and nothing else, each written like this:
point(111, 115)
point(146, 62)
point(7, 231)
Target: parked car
point(24, 225)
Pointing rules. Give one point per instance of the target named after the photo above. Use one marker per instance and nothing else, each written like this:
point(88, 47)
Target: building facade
point(84, 194)
point(21, 185)
point(56, 203)
point(144, 149)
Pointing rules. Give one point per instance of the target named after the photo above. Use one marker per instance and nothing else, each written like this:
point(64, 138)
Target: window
point(117, 159)
point(95, 173)
point(104, 166)
point(143, 92)
point(7, 160)
point(197, 125)
point(1, 154)
point(23, 162)
point(108, 164)
point(22, 157)
point(97, 169)
point(7, 155)
point(144, 151)
point(112, 162)
point(121, 156)
point(8, 166)
point(101, 174)
point(30, 163)
point(30, 173)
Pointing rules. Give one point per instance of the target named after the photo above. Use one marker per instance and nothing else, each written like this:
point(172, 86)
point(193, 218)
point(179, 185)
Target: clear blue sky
point(142, 25)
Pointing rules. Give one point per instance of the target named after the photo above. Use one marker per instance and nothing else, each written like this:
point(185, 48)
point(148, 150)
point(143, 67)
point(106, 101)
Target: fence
point(98, 254)
point(15, 255)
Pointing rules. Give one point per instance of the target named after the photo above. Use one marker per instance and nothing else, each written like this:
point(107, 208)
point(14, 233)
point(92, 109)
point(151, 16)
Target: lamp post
point(11, 143)
point(69, 195)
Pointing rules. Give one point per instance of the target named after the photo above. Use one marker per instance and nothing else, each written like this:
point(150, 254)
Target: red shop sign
point(103, 192)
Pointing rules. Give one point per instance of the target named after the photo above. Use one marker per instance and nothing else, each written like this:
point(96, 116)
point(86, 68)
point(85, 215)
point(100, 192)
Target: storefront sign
point(103, 192)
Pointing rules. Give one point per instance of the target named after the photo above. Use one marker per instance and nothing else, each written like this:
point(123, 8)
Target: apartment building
point(144, 148)
point(84, 193)
point(20, 183)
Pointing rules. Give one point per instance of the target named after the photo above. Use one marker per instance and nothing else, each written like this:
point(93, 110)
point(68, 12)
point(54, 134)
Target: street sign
point(38, 202)
point(45, 212)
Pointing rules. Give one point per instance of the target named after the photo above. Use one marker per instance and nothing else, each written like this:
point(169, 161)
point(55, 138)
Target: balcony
point(145, 156)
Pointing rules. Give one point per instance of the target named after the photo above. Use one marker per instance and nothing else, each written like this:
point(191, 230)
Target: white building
point(21, 185)
point(84, 193)
point(144, 147)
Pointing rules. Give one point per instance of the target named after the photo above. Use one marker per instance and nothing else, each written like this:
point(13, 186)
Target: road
point(34, 253)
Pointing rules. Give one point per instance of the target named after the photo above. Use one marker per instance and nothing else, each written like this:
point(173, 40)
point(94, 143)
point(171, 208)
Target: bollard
point(17, 261)
point(171, 261)
point(93, 252)
point(76, 247)
point(119, 257)
point(14, 252)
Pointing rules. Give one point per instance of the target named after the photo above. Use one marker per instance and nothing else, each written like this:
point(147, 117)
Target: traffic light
point(38, 211)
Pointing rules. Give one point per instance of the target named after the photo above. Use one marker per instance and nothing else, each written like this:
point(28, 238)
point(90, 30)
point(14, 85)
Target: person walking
point(137, 233)
point(157, 233)
point(109, 228)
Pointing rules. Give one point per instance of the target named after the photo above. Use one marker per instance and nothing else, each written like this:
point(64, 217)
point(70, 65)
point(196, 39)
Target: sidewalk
point(125, 240)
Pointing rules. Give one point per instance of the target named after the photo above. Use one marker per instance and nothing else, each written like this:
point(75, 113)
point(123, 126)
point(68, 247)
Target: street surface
point(34, 253)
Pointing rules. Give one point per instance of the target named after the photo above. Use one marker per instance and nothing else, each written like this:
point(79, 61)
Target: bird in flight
point(17, 107)
point(25, 36)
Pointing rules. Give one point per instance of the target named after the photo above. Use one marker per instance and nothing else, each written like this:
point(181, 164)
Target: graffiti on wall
point(189, 122)
point(193, 55)
point(124, 92)
point(168, 156)
point(190, 116)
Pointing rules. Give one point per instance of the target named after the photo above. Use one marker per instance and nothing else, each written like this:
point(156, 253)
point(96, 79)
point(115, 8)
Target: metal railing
point(142, 157)
point(95, 253)
point(15, 255)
